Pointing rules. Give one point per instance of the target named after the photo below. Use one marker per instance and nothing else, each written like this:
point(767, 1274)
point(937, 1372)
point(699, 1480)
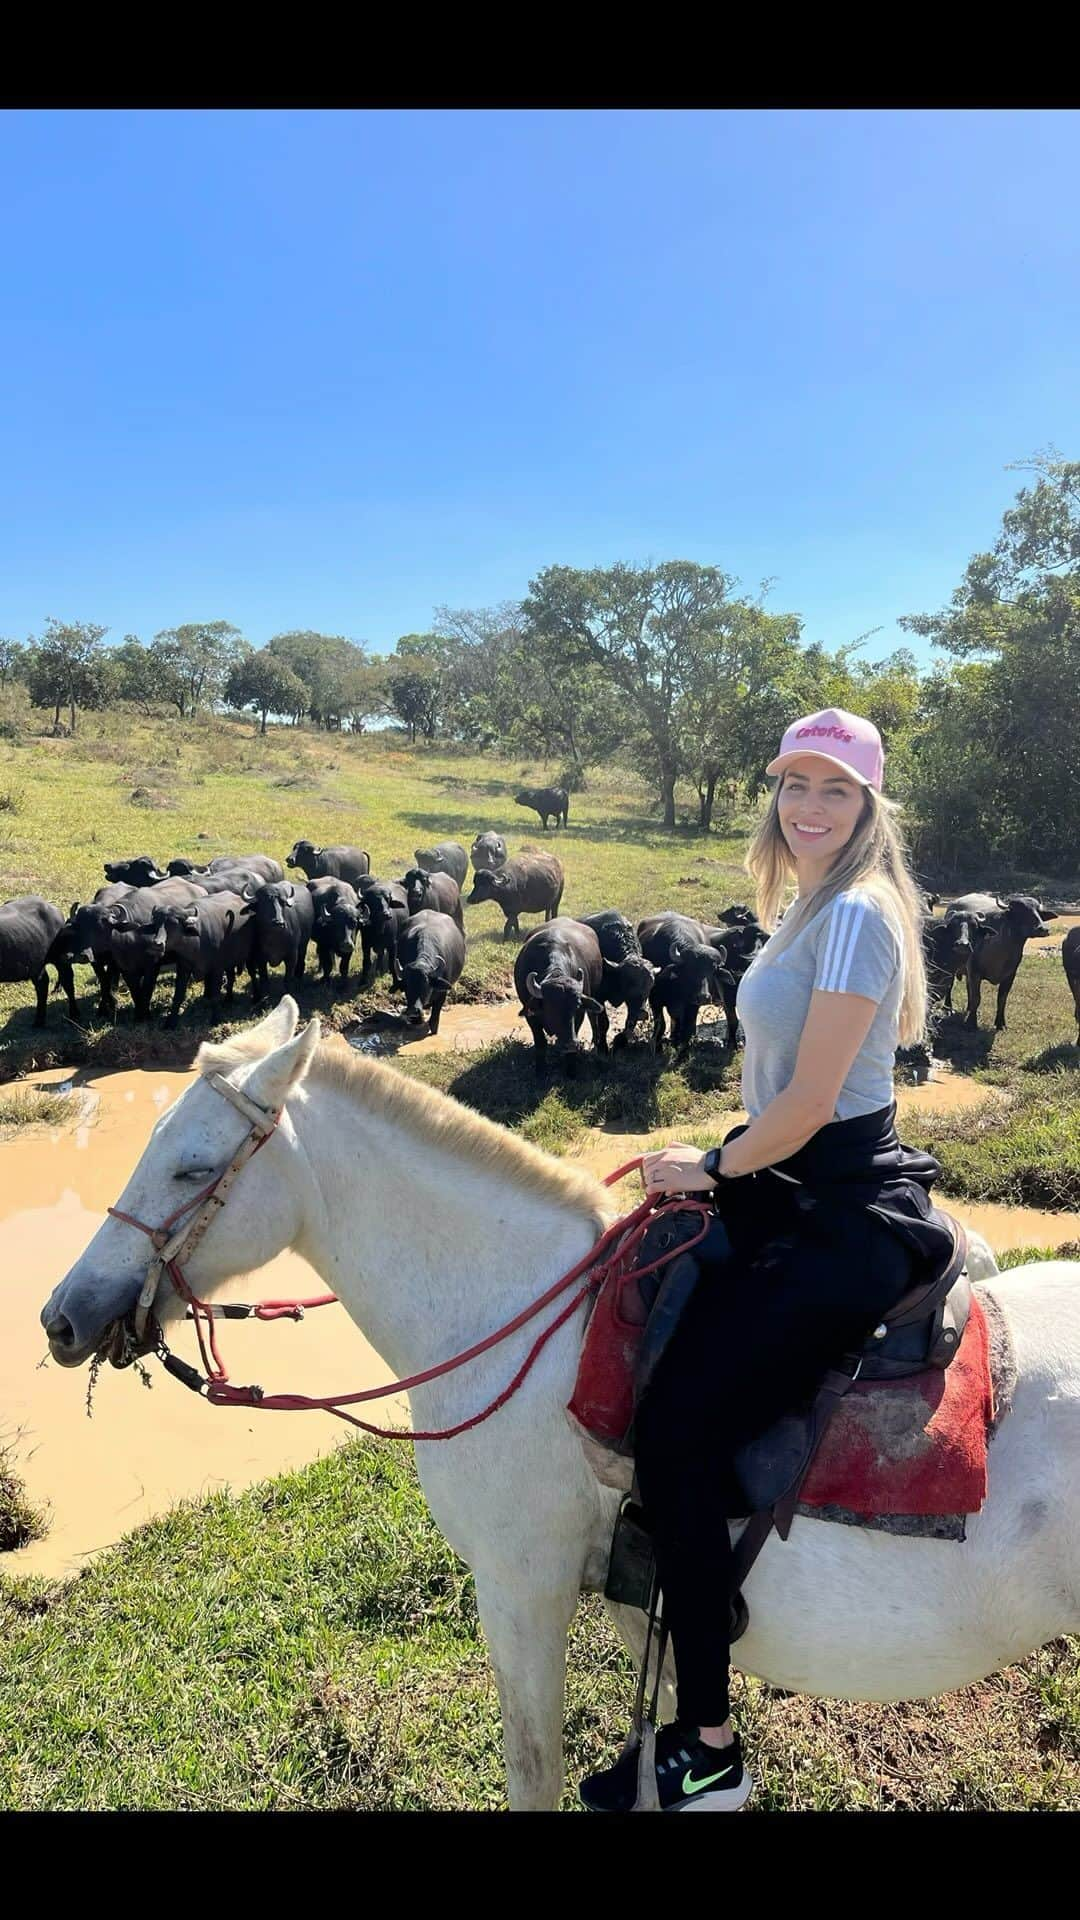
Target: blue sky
point(329, 369)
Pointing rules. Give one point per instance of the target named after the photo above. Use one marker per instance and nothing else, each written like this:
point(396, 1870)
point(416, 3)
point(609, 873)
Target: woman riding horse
point(812, 1268)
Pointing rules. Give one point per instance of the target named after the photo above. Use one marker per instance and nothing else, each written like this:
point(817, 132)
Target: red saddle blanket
point(915, 1446)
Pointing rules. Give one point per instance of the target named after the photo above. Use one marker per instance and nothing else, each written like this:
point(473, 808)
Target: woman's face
point(819, 809)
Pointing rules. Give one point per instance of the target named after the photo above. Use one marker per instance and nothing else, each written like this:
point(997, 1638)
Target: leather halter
point(171, 1248)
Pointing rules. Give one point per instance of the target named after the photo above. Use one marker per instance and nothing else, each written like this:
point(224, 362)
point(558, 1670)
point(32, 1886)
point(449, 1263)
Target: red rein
point(614, 1250)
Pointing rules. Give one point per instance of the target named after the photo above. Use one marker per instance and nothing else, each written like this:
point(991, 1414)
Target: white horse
point(435, 1226)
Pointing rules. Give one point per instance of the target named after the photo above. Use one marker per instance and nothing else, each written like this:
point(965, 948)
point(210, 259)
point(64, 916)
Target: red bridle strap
point(608, 1256)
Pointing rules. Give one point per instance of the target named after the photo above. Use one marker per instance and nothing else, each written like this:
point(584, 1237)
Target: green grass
point(314, 1644)
point(20, 1520)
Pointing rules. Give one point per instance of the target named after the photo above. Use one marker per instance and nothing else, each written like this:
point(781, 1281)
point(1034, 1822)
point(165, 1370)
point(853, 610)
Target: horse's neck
point(427, 1251)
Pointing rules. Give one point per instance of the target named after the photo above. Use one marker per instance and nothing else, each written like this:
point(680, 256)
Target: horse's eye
point(198, 1175)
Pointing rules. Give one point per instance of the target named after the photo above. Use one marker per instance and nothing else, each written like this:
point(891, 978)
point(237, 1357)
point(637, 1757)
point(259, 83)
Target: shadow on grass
point(964, 1050)
point(1062, 1058)
point(634, 1090)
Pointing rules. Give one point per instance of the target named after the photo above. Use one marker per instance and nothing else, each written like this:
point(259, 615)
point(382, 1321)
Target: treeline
point(670, 670)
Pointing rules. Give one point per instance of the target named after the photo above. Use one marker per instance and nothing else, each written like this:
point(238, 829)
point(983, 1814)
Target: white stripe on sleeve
point(847, 918)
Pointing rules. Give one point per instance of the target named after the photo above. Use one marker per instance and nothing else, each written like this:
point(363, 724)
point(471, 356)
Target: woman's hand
point(675, 1170)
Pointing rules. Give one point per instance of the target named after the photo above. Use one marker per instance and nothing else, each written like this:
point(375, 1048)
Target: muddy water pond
point(143, 1451)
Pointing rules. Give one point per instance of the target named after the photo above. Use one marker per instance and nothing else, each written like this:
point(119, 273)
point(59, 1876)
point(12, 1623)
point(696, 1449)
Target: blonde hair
point(874, 859)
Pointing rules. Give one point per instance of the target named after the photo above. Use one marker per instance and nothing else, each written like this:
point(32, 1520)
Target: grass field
point(314, 1643)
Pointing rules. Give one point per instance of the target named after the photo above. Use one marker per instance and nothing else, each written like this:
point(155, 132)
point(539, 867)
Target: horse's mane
point(432, 1116)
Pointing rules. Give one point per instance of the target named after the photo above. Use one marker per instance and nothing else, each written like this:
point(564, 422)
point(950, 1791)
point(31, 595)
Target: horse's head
point(190, 1145)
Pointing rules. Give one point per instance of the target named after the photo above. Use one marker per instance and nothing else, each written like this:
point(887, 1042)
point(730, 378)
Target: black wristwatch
point(711, 1163)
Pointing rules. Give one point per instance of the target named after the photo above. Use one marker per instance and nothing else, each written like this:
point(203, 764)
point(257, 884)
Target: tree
point(267, 684)
point(193, 662)
point(12, 661)
point(330, 667)
point(742, 690)
point(1016, 615)
point(66, 668)
point(134, 673)
point(648, 628)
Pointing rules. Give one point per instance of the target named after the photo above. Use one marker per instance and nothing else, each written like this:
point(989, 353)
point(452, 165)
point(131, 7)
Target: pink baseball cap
point(834, 735)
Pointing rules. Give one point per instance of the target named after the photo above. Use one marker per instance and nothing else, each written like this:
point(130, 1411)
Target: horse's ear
point(283, 1069)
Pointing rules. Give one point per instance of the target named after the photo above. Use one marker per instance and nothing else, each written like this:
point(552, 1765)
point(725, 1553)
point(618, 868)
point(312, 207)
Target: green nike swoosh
point(690, 1785)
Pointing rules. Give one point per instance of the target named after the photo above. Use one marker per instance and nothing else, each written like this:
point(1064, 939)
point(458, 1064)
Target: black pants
point(804, 1285)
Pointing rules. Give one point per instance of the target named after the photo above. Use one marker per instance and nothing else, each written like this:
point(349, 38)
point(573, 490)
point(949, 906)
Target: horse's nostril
point(60, 1330)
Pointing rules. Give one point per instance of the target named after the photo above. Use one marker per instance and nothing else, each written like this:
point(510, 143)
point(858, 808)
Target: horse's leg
point(526, 1638)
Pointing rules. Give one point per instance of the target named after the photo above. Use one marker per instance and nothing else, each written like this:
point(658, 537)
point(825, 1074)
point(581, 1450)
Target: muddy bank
point(142, 1451)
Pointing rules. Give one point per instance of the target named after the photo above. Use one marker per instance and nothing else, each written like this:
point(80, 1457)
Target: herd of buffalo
point(239, 913)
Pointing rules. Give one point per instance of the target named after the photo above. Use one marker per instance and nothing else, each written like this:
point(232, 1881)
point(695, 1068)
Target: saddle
point(629, 1332)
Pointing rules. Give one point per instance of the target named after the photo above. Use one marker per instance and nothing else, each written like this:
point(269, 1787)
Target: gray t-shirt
point(851, 946)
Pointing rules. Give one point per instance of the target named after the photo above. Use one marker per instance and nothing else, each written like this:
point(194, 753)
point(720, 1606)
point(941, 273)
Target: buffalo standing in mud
point(448, 857)
point(283, 919)
point(628, 977)
point(431, 953)
point(383, 919)
point(435, 892)
point(337, 919)
point(947, 946)
point(691, 974)
point(488, 851)
point(531, 884)
point(113, 928)
point(31, 940)
point(559, 976)
point(328, 863)
point(208, 940)
point(548, 802)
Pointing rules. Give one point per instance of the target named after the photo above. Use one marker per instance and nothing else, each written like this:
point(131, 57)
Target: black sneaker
point(690, 1777)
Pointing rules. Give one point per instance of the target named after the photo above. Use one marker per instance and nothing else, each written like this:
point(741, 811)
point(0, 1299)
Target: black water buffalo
point(547, 802)
point(262, 865)
point(140, 871)
point(437, 892)
point(738, 916)
point(328, 863)
point(737, 943)
point(431, 953)
point(997, 948)
point(628, 976)
point(947, 947)
point(559, 975)
point(338, 917)
point(448, 857)
point(283, 917)
point(208, 940)
point(488, 850)
point(531, 884)
point(1070, 955)
point(384, 917)
point(661, 933)
point(117, 931)
point(31, 940)
point(692, 972)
